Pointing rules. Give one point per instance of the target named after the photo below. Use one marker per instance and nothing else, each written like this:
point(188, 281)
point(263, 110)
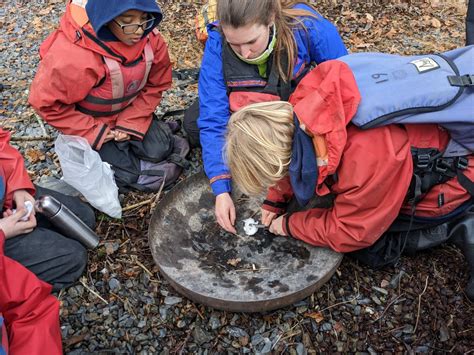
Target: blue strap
point(303, 169)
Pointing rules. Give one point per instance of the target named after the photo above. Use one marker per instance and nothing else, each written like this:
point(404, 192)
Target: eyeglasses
point(132, 28)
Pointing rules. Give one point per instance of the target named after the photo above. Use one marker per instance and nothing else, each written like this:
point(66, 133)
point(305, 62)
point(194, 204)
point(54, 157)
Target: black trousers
point(190, 126)
point(51, 256)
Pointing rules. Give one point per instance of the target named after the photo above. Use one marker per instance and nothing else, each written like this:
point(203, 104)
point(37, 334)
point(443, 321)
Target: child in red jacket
point(35, 243)
point(102, 75)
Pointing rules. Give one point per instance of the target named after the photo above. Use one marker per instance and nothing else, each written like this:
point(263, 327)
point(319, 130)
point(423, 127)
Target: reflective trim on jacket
point(120, 86)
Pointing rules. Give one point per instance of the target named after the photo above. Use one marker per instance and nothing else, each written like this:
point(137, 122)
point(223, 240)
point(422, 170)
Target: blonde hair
point(258, 145)
point(238, 13)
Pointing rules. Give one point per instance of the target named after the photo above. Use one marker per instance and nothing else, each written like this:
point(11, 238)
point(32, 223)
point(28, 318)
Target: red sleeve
point(16, 176)
point(31, 313)
point(278, 196)
point(137, 116)
point(63, 80)
point(371, 187)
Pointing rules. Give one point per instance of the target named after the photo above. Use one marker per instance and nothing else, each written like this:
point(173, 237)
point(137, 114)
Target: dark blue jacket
point(319, 43)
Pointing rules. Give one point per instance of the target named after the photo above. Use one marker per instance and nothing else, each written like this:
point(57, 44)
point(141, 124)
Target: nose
point(140, 30)
point(245, 52)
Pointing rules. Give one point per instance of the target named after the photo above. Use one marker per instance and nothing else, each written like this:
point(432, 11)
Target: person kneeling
point(367, 172)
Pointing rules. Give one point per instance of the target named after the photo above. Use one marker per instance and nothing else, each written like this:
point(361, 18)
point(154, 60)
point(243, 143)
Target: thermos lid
point(47, 205)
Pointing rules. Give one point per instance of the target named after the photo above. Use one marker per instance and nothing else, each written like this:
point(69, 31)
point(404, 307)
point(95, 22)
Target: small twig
point(419, 304)
point(126, 230)
point(181, 350)
point(125, 242)
point(93, 292)
point(126, 304)
point(139, 204)
point(199, 312)
point(387, 307)
point(158, 194)
point(31, 138)
point(279, 337)
point(298, 332)
point(43, 128)
point(338, 304)
point(392, 330)
point(144, 268)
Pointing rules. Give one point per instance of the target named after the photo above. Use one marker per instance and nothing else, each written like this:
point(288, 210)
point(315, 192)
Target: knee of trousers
point(70, 265)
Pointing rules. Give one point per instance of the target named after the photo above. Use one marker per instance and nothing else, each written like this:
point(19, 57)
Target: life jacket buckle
point(442, 165)
point(423, 161)
point(462, 163)
point(461, 80)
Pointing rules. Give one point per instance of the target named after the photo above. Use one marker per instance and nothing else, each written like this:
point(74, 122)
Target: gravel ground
point(123, 305)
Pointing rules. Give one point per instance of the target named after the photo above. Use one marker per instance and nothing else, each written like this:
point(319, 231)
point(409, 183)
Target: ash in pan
point(223, 252)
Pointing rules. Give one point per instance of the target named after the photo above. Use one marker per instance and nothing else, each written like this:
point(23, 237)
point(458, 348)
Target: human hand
point(277, 226)
point(225, 212)
point(267, 217)
point(12, 225)
point(121, 136)
point(20, 197)
point(110, 136)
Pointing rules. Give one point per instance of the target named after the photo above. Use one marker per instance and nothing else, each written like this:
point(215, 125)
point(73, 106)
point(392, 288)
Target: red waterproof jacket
point(13, 171)
point(72, 65)
point(31, 314)
point(374, 167)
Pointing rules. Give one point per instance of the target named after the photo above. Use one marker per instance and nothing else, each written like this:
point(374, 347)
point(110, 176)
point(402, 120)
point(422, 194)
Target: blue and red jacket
point(318, 43)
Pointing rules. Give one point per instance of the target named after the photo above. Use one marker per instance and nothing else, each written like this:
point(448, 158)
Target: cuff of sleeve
point(132, 132)
point(286, 225)
point(99, 140)
point(275, 207)
point(221, 186)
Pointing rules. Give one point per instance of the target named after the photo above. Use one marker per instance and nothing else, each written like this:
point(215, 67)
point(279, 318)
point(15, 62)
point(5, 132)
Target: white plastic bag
point(84, 170)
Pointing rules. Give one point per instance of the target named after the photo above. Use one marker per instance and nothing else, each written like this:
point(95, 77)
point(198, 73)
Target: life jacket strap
point(461, 80)
point(430, 168)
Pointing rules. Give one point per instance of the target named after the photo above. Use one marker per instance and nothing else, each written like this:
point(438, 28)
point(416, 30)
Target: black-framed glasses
point(130, 29)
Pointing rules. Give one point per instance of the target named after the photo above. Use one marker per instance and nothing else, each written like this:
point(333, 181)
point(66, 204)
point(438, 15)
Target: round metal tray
point(231, 272)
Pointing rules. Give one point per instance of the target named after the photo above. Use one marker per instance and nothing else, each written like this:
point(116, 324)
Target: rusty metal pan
point(237, 273)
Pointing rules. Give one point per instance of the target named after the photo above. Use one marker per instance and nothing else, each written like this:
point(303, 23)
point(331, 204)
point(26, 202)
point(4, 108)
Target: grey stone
point(201, 336)
point(114, 284)
point(170, 300)
point(237, 332)
point(300, 349)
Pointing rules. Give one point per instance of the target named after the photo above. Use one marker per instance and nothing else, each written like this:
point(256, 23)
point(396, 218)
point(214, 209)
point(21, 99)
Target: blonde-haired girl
point(287, 147)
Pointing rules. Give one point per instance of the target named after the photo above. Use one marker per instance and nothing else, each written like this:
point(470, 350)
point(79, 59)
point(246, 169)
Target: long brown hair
point(238, 13)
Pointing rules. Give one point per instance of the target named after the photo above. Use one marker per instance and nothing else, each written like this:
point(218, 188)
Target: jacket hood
point(325, 102)
point(75, 26)
point(100, 14)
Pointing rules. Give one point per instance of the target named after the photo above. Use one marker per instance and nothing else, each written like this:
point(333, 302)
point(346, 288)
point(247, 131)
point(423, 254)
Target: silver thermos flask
point(66, 221)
